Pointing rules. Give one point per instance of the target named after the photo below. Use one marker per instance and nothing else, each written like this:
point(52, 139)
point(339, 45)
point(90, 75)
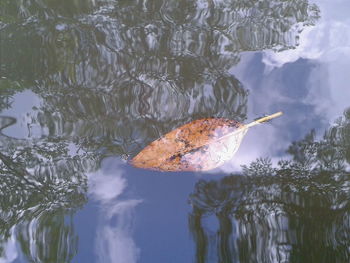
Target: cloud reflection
point(308, 82)
point(114, 242)
point(328, 43)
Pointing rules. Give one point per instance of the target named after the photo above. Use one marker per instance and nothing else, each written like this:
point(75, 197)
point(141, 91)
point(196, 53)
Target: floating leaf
point(196, 146)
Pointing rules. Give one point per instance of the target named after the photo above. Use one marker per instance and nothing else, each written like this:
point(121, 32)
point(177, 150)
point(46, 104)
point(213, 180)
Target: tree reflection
point(42, 185)
point(7, 90)
point(112, 76)
point(146, 66)
point(53, 236)
point(296, 212)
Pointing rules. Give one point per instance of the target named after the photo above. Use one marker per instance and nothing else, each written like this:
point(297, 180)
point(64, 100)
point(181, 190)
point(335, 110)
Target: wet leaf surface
point(200, 145)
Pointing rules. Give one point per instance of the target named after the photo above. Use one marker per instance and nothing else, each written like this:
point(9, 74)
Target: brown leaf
point(196, 146)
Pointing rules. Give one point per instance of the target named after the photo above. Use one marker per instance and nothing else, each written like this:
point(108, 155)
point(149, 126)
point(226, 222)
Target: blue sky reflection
point(113, 242)
point(309, 83)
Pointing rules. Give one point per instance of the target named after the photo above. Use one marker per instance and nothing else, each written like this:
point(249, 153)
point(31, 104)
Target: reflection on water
point(108, 77)
point(41, 187)
point(118, 75)
point(303, 205)
point(327, 43)
point(113, 234)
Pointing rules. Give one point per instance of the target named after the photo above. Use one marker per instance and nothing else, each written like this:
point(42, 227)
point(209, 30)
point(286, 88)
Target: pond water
point(85, 85)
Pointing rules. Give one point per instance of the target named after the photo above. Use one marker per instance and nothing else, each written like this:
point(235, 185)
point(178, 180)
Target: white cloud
point(327, 88)
point(325, 41)
point(114, 242)
point(328, 44)
point(105, 187)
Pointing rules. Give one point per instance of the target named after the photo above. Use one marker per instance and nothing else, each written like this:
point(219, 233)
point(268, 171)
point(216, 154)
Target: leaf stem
point(264, 119)
point(244, 128)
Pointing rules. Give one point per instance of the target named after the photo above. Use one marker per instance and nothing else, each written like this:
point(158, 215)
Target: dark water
point(85, 85)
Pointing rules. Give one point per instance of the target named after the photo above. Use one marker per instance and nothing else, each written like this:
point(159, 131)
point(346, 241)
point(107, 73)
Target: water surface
point(85, 85)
